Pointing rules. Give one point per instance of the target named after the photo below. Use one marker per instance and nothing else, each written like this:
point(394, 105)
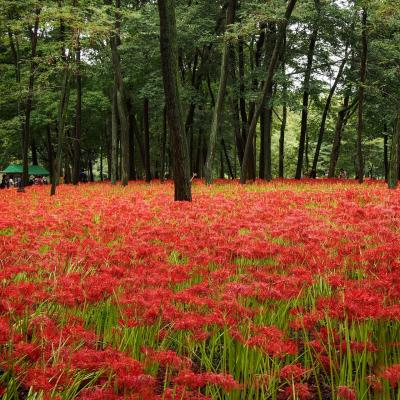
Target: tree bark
point(78, 115)
point(33, 31)
point(62, 116)
point(268, 80)
point(169, 62)
point(361, 96)
point(338, 135)
point(114, 136)
point(121, 98)
point(385, 151)
point(394, 156)
point(163, 145)
point(313, 173)
point(230, 19)
point(146, 132)
point(228, 162)
point(306, 96)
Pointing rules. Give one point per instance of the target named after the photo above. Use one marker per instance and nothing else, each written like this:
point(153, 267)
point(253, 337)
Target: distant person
point(11, 182)
point(343, 174)
point(83, 177)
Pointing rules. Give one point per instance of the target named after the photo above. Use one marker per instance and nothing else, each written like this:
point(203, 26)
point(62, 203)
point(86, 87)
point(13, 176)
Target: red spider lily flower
point(5, 332)
point(44, 378)
point(392, 375)
point(98, 393)
point(167, 358)
point(300, 391)
point(193, 380)
point(28, 350)
point(346, 393)
point(292, 372)
point(374, 382)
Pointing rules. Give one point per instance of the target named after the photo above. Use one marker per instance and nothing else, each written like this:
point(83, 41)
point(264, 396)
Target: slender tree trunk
point(33, 31)
point(306, 96)
point(338, 135)
point(267, 171)
point(90, 168)
point(101, 163)
point(169, 62)
point(313, 173)
point(62, 116)
point(114, 136)
point(228, 162)
point(34, 152)
point(394, 156)
point(385, 151)
point(361, 96)
point(235, 108)
point(268, 140)
point(261, 163)
point(163, 145)
point(230, 19)
point(221, 170)
point(78, 115)
point(268, 80)
point(132, 157)
point(50, 153)
point(121, 98)
point(281, 167)
point(146, 132)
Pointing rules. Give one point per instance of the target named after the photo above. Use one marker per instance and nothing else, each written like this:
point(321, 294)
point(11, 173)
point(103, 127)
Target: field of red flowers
point(273, 291)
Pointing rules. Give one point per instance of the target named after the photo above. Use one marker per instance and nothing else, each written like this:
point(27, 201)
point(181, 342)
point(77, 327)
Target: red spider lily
point(346, 393)
point(141, 271)
point(193, 380)
point(292, 372)
point(392, 375)
point(299, 391)
point(167, 358)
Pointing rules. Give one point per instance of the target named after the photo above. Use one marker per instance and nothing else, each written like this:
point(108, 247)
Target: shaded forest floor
point(286, 290)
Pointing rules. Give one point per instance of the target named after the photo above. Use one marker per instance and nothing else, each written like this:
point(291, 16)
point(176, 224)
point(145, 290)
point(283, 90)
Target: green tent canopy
point(36, 170)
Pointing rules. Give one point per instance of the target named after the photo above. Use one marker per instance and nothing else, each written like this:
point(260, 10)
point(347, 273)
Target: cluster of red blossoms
point(284, 290)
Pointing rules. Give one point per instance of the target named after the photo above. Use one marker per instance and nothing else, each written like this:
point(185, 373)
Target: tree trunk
point(235, 108)
point(268, 80)
point(313, 173)
point(34, 152)
point(29, 101)
point(90, 168)
point(261, 163)
point(132, 157)
point(265, 146)
point(228, 162)
point(306, 96)
point(114, 136)
point(121, 98)
point(179, 148)
point(385, 151)
point(146, 132)
point(281, 167)
point(230, 19)
point(394, 156)
point(78, 115)
point(221, 170)
point(62, 116)
point(361, 96)
point(50, 153)
point(337, 139)
point(163, 145)
point(268, 139)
